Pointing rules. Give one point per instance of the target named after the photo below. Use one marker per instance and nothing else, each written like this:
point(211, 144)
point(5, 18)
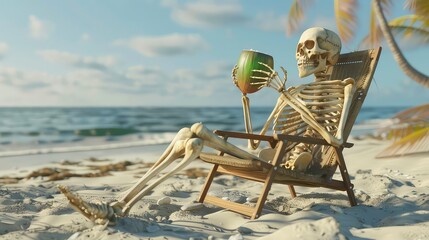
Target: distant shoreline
point(172, 106)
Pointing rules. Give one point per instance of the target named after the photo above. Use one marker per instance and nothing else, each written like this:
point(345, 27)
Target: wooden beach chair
point(358, 65)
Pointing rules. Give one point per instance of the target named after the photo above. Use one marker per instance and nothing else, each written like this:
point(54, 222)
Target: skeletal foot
point(302, 161)
point(99, 213)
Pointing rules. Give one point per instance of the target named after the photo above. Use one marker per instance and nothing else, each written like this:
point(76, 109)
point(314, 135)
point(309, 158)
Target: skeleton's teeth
point(300, 63)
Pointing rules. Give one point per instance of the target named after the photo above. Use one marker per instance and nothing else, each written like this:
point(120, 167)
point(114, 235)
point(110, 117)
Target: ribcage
point(323, 99)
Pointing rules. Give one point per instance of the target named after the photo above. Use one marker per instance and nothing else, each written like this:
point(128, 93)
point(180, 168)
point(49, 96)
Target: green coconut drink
point(249, 61)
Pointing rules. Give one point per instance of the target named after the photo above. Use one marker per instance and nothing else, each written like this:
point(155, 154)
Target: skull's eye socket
point(309, 44)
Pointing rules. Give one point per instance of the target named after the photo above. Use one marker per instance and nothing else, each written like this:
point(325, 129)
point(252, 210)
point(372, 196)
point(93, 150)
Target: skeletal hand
point(234, 74)
point(284, 74)
point(271, 79)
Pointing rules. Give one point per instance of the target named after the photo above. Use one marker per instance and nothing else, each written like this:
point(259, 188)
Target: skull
point(317, 48)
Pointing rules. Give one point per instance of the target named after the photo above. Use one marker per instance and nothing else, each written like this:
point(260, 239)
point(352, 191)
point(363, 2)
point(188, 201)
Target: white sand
point(392, 196)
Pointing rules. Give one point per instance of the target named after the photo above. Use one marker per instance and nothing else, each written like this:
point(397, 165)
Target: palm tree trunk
point(405, 66)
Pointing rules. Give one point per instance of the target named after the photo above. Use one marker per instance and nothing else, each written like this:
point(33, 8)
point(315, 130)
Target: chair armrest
point(308, 140)
point(241, 135)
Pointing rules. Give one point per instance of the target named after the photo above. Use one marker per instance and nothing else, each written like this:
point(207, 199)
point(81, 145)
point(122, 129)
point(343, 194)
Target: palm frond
point(416, 142)
point(409, 133)
point(416, 26)
point(296, 15)
point(419, 113)
point(345, 17)
point(420, 7)
point(419, 36)
point(404, 129)
point(405, 28)
point(411, 20)
point(375, 35)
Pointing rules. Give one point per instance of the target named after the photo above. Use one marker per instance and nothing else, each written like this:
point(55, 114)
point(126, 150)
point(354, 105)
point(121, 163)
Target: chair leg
point(351, 195)
point(208, 182)
point(264, 194)
point(209, 179)
point(346, 177)
point(292, 191)
point(281, 146)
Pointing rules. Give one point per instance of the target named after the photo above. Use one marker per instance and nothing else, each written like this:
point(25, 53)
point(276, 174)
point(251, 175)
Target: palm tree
point(405, 66)
point(406, 25)
point(411, 132)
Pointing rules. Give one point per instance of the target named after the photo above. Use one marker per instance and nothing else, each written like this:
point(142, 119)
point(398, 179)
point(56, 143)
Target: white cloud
point(39, 29)
point(211, 71)
point(210, 79)
point(206, 80)
point(76, 60)
point(167, 45)
point(206, 14)
point(35, 88)
point(196, 82)
point(82, 81)
point(87, 78)
point(26, 80)
point(145, 76)
point(75, 82)
point(270, 22)
point(3, 49)
point(134, 85)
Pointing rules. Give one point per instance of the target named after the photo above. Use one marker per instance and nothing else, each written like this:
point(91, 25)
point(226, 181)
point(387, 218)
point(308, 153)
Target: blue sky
point(165, 53)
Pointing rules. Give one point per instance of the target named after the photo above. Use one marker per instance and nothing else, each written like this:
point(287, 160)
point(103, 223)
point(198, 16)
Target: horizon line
point(131, 106)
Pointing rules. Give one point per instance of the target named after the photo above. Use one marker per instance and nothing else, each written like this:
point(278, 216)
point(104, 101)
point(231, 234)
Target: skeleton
point(317, 108)
point(326, 101)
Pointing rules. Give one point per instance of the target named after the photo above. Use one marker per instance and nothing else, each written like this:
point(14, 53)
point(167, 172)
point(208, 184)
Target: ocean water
point(29, 128)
